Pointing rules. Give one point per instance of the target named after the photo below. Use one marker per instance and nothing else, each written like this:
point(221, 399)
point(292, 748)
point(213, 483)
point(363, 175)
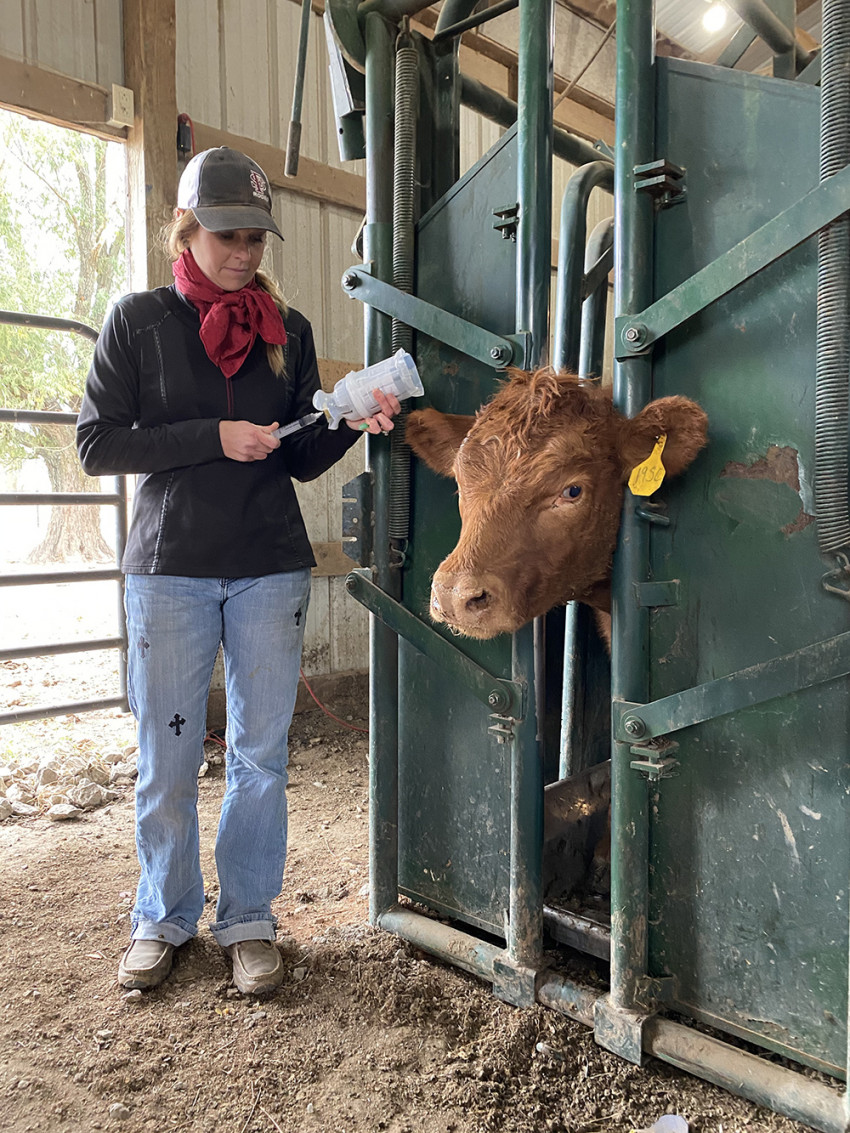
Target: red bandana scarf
point(230, 320)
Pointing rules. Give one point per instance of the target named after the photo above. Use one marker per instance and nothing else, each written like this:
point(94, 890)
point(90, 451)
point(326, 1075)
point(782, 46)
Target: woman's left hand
point(382, 421)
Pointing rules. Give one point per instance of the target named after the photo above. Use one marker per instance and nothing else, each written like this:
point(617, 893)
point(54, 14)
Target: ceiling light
point(715, 17)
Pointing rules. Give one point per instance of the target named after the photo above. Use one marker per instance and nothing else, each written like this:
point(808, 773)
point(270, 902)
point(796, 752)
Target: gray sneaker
point(257, 966)
point(145, 963)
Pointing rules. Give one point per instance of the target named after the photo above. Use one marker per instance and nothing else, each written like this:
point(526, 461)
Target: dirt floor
point(366, 1034)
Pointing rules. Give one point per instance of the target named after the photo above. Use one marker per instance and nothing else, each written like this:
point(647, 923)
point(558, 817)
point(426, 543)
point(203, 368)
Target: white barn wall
point(80, 38)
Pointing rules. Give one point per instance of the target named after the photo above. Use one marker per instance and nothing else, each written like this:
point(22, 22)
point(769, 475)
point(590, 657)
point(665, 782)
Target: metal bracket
point(514, 983)
point(634, 334)
point(656, 991)
point(663, 180)
point(656, 762)
point(502, 696)
point(494, 350)
point(356, 518)
point(653, 511)
point(658, 593)
point(811, 665)
point(618, 1030)
point(503, 729)
point(508, 221)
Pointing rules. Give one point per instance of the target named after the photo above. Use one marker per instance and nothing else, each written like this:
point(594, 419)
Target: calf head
point(541, 471)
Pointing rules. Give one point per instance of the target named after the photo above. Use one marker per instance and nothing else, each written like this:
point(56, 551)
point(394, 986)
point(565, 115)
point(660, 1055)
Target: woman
point(187, 386)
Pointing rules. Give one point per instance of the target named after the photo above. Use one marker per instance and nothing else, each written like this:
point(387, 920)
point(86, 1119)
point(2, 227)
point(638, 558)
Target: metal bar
point(818, 208)
point(49, 577)
point(633, 270)
point(498, 108)
point(812, 665)
point(505, 697)
point(535, 82)
point(75, 708)
point(461, 949)
point(47, 322)
point(56, 649)
point(476, 20)
point(37, 417)
point(578, 932)
point(736, 48)
point(600, 247)
point(391, 9)
point(480, 344)
point(572, 239)
point(293, 141)
point(383, 644)
point(452, 11)
point(771, 29)
point(785, 62)
point(63, 499)
point(747, 1075)
point(812, 73)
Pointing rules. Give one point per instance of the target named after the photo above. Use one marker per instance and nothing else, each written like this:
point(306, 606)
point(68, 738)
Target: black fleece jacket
point(152, 405)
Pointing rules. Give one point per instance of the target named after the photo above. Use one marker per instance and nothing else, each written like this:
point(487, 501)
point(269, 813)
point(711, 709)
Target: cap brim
point(226, 218)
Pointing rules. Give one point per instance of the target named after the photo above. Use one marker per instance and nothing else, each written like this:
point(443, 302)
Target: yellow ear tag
point(646, 478)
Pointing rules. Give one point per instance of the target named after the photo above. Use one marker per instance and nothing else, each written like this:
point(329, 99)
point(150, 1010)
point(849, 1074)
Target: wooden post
point(150, 72)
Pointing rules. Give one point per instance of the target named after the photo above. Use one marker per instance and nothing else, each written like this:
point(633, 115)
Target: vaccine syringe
point(296, 426)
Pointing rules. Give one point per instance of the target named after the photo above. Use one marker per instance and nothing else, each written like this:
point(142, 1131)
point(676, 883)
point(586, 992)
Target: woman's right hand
point(244, 441)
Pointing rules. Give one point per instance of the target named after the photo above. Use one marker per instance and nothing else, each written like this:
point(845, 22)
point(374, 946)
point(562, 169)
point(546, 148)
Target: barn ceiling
point(682, 23)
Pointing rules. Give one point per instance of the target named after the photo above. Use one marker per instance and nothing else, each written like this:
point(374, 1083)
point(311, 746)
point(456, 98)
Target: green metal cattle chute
point(728, 692)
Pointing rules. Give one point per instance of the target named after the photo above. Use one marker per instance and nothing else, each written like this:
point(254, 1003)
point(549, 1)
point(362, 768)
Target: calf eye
point(569, 495)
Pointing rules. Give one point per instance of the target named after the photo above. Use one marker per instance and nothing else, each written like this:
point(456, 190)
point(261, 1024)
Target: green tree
point(62, 253)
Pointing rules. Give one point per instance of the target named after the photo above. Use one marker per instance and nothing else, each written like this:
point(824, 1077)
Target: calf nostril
point(478, 602)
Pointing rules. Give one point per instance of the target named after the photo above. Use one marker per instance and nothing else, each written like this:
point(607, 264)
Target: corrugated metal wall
point(235, 65)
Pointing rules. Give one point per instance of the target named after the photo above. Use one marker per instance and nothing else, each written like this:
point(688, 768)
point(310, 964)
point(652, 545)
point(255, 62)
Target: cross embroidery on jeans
point(176, 722)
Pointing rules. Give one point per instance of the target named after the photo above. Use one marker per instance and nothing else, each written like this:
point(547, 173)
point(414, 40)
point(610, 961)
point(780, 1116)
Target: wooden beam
point(53, 97)
point(323, 182)
point(150, 53)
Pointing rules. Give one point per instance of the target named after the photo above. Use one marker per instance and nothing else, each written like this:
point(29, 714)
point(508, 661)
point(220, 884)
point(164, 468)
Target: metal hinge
point(508, 220)
point(656, 760)
point(663, 180)
point(503, 729)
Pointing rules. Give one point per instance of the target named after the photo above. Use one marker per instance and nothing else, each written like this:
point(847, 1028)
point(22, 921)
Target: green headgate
point(729, 770)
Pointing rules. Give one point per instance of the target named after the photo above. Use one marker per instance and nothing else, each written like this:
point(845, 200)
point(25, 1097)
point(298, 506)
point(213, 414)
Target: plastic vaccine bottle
point(352, 395)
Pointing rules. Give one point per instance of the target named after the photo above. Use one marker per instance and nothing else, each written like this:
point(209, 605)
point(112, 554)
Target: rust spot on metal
point(802, 520)
point(779, 465)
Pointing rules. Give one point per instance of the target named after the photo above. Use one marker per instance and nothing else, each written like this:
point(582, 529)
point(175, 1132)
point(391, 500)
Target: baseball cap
point(225, 189)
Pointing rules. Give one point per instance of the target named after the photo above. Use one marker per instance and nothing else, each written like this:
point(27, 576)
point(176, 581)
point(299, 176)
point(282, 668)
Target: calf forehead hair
point(537, 426)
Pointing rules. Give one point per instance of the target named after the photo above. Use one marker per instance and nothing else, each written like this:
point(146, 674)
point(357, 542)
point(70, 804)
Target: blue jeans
point(174, 628)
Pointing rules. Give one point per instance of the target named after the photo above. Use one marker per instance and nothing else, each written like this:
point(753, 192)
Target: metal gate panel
point(454, 777)
point(750, 855)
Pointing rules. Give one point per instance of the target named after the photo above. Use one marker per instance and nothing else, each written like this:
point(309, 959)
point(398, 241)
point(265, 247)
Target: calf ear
point(435, 437)
point(685, 424)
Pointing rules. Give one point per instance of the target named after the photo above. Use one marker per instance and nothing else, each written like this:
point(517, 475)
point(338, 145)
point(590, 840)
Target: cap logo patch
point(258, 186)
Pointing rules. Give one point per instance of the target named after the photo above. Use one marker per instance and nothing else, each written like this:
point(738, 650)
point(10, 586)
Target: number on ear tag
point(648, 475)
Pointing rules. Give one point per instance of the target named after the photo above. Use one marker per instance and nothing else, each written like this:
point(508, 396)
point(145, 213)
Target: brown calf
point(541, 471)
